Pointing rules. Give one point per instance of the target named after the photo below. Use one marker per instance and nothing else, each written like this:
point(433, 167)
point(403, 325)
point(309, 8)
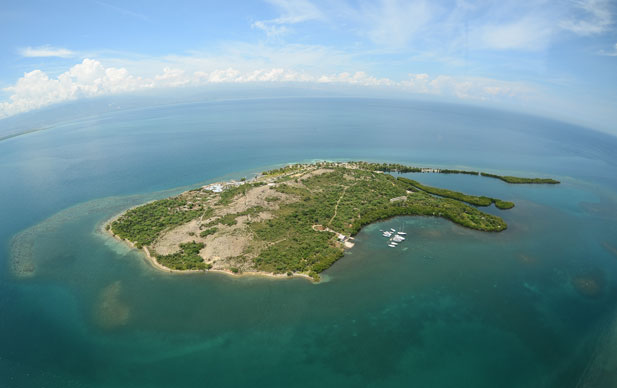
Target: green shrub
point(208, 232)
point(187, 258)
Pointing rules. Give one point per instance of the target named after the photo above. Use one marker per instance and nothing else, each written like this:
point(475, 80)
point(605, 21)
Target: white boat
point(393, 243)
point(402, 233)
point(392, 229)
point(398, 238)
point(392, 246)
point(387, 234)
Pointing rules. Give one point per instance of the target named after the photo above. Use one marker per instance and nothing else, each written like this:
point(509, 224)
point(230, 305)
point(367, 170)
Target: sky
point(554, 58)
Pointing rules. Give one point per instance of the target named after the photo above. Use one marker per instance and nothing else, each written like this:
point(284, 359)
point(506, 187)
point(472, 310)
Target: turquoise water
point(451, 307)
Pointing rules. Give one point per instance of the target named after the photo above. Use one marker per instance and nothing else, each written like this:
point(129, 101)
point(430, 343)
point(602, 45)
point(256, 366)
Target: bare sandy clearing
point(223, 247)
point(255, 197)
point(169, 242)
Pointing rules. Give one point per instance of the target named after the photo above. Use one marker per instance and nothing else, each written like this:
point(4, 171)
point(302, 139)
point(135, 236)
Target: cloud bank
point(90, 78)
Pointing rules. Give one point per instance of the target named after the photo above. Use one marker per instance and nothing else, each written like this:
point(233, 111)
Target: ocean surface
point(533, 306)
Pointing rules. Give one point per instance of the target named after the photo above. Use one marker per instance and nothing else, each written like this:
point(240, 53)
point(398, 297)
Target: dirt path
point(337, 202)
point(201, 218)
point(336, 206)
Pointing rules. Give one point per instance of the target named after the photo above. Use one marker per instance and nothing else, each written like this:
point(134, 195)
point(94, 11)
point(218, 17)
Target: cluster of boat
point(394, 237)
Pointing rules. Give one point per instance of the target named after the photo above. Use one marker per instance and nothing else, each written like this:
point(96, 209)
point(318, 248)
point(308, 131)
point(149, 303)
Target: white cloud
point(357, 78)
point(296, 11)
point(419, 83)
point(592, 17)
point(528, 33)
point(45, 51)
point(394, 23)
point(291, 12)
point(90, 78)
point(171, 78)
point(466, 88)
point(248, 57)
point(271, 29)
point(496, 25)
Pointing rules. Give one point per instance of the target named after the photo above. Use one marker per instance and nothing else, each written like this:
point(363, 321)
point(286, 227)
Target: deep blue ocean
point(533, 306)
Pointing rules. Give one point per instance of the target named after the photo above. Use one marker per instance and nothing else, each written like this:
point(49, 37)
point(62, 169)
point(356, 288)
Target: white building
point(215, 188)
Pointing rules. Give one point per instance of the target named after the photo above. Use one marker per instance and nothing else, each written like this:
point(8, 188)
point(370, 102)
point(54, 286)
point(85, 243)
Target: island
point(295, 220)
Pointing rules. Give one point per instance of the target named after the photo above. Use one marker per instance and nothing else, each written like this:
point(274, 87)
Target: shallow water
point(448, 307)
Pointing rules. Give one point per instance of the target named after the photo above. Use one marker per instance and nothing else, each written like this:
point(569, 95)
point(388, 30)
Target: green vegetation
point(514, 179)
point(470, 199)
point(446, 171)
point(358, 197)
point(284, 170)
point(387, 167)
point(227, 219)
point(503, 205)
point(143, 224)
point(401, 168)
point(230, 193)
point(292, 226)
point(230, 219)
point(187, 258)
point(207, 232)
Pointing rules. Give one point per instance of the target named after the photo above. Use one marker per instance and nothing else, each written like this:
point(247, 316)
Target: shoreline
point(155, 264)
